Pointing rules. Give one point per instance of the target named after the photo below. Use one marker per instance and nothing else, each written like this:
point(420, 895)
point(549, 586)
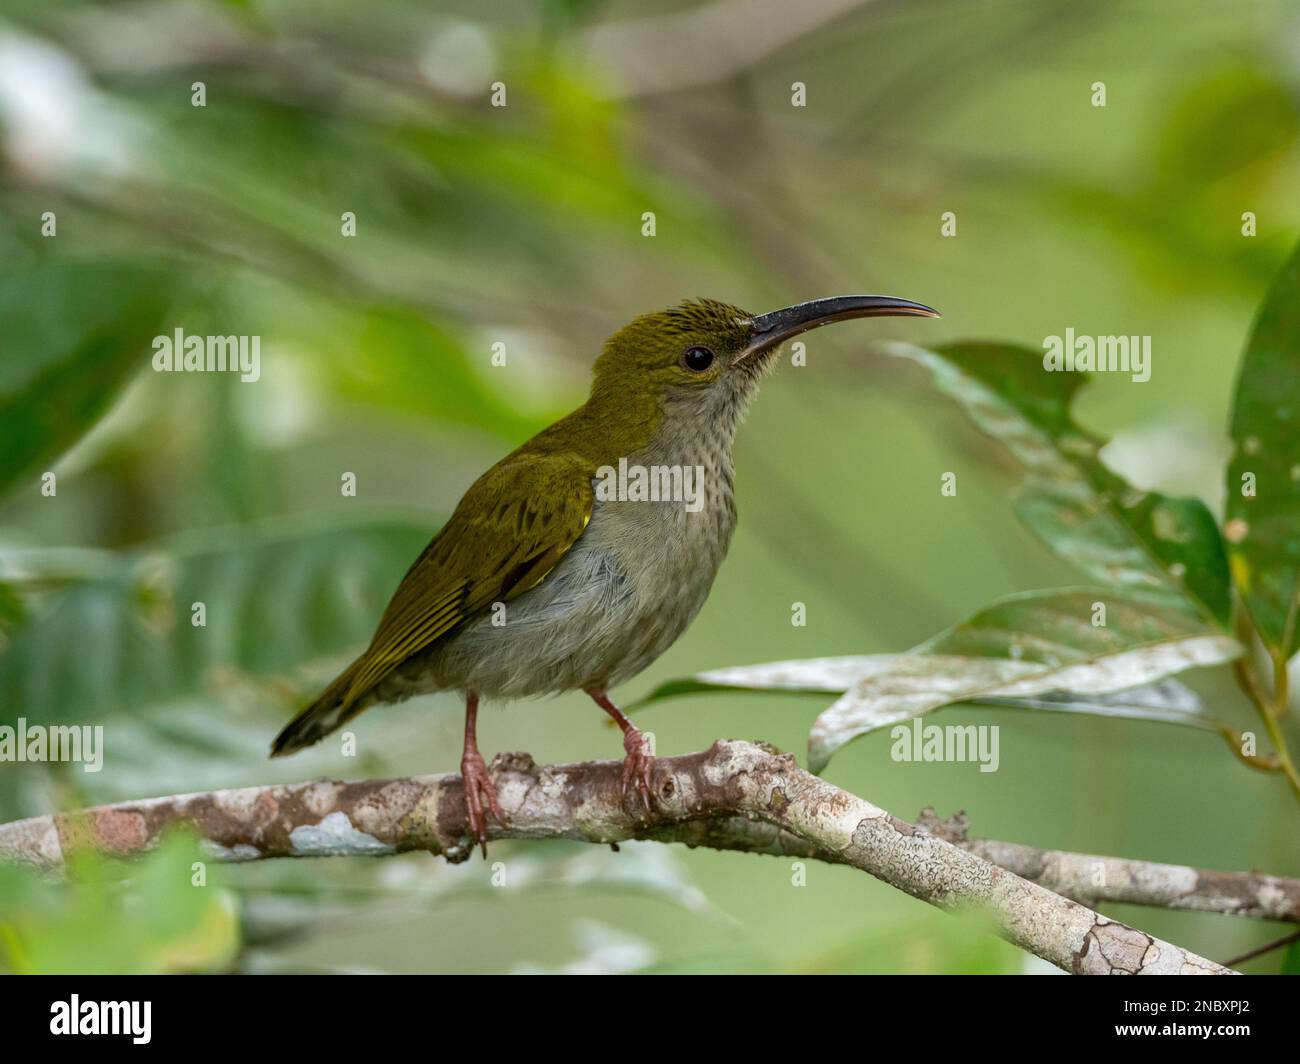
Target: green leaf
point(1166, 547)
point(1024, 647)
point(274, 597)
point(1263, 509)
point(1231, 117)
point(400, 361)
point(157, 919)
point(12, 610)
point(74, 334)
point(807, 676)
point(1166, 701)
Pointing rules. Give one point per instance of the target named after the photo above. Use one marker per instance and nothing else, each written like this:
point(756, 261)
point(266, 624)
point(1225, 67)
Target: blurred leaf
point(740, 961)
point(564, 14)
point(301, 897)
point(74, 334)
point(401, 361)
point(1169, 548)
point(811, 676)
point(958, 943)
point(1230, 118)
point(603, 950)
point(12, 610)
point(157, 919)
point(1025, 646)
point(1291, 959)
point(288, 901)
point(645, 869)
point(275, 598)
point(184, 745)
point(1263, 528)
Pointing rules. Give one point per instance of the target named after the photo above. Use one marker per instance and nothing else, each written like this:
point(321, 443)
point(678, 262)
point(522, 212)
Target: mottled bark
point(1091, 878)
point(735, 795)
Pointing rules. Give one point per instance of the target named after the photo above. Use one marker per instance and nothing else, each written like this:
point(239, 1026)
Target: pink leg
point(479, 789)
point(639, 761)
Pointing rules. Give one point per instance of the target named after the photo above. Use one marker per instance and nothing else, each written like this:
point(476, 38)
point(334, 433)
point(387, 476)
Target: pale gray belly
point(617, 600)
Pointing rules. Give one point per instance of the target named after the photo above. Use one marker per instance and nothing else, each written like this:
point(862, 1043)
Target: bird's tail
point(331, 709)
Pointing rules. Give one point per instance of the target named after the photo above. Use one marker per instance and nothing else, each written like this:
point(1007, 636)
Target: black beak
point(770, 330)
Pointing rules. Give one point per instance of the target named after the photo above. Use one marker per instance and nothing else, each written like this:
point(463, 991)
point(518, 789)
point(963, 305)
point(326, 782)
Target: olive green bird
point(546, 580)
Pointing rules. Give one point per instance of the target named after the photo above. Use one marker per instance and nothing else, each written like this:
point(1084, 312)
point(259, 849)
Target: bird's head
point(701, 361)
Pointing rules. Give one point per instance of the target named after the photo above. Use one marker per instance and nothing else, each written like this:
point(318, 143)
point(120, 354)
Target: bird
point(562, 568)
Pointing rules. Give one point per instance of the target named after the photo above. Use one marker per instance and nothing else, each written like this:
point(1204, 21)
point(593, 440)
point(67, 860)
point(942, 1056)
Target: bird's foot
point(480, 798)
point(637, 766)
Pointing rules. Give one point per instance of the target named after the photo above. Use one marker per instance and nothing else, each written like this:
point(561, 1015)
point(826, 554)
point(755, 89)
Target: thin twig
point(1259, 951)
point(1093, 878)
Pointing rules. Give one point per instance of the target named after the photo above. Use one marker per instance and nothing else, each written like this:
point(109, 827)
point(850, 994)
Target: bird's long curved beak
point(770, 330)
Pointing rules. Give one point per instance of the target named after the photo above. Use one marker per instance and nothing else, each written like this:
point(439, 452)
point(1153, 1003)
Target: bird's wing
point(511, 528)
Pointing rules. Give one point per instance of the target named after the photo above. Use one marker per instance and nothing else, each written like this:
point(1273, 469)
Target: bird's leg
point(640, 752)
point(479, 789)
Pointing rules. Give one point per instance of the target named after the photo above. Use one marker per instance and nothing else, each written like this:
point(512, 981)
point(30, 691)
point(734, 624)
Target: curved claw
point(480, 791)
point(637, 766)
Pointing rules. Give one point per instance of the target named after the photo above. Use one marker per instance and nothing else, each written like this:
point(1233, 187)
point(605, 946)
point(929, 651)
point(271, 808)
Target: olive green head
point(685, 350)
point(703, 359)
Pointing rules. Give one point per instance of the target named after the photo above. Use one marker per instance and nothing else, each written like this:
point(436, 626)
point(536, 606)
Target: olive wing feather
point(512, 527)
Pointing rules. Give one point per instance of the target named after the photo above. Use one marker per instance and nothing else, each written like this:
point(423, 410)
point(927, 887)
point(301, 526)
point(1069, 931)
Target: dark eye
point(697, 359)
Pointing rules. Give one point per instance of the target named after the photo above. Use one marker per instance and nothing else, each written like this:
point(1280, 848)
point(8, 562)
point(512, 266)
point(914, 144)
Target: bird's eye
point(697, 359)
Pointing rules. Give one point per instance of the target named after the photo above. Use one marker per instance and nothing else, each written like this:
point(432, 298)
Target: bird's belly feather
point(617, 600)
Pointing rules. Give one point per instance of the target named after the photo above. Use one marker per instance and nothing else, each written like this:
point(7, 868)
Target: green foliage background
point(523, 224)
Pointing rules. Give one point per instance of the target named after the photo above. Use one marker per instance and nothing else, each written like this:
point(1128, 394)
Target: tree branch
point(735, 795)
point(1091, 878)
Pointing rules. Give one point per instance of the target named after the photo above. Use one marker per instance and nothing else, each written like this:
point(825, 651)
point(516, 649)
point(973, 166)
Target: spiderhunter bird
point(541, 582)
